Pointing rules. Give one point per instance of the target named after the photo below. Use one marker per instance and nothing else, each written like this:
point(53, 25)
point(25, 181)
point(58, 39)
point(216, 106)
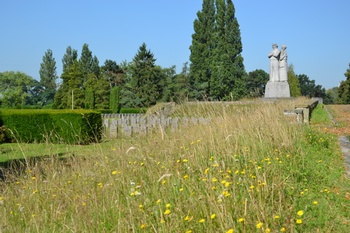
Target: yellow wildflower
point(259, 225)
point(300, 213)
point(167, 212)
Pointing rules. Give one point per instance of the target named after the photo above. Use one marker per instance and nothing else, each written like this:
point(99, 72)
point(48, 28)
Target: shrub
point(132, 110)
point(66, 126)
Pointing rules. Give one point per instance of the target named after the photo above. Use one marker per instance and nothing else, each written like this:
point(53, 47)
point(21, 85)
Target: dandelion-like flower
point(241, 220)
point(299, 221)
point(300, 213)
point(259, 225)
point(213, 216)
point(167, 206)
point(226, 193)
point(167, 212)
point(230, 231)
point(202, 220)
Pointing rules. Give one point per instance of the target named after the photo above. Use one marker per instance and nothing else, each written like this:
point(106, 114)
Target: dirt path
point(340, 116)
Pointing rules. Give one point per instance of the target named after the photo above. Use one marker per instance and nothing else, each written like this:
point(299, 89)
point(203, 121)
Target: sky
point(316, 32)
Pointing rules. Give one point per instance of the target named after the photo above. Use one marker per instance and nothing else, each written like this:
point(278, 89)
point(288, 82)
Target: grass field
point(251, 169)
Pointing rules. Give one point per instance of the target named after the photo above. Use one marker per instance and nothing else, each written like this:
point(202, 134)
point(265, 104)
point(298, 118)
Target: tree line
point(215, 72)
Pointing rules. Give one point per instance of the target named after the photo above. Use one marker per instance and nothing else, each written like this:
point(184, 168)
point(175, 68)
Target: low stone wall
point(116, 125)
point(304, 111)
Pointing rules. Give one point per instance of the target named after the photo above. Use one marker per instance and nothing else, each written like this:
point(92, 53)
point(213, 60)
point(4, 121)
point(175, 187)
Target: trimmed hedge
point(57, 126)
point(132, 110)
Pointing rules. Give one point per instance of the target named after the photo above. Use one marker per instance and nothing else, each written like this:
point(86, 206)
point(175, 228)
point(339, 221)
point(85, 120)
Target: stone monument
point(277, 86)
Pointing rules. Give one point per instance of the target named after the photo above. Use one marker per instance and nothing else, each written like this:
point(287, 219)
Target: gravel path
point(344, 145)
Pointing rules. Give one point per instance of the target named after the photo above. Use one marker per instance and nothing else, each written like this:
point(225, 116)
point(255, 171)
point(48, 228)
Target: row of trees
point(216, 72)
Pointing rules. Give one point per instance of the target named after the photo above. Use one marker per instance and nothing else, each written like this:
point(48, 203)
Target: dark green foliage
point(344, 89)
point(217, 69)
point(146, 78)
point(201, 50)
point(48, 77)
point(113, 73)
point(89, 98)
point(71, 93)
point(57, 126)
point(114, 104)
point(16, 89)
point(331, 96)
point(309, 88)
point(256, 82)
point(293, 82)
point(133, 110)
point(83, 85)
point(86, 60)
point(69, 57)
point(177, 87)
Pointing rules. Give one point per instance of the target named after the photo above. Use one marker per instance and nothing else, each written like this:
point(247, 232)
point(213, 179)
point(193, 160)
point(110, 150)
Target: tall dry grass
point(242, 172)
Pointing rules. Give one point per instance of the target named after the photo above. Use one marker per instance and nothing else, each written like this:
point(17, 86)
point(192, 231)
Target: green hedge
point(57, 126)
point(133, 110)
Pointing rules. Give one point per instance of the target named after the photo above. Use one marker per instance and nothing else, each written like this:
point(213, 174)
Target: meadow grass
point(250, 169)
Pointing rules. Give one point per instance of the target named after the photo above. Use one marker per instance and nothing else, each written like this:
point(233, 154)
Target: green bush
point(132, 110)
point(58, 126)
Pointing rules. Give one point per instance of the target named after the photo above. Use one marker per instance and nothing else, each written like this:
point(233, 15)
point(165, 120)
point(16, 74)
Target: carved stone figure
point(283, 65)
point(277, 86)
point(274, 56)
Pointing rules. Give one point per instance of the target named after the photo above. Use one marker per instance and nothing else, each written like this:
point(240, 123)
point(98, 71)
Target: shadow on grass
point(17, 167)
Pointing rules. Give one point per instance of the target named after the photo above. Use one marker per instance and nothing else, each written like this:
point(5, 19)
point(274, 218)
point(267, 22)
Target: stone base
point(277, 90)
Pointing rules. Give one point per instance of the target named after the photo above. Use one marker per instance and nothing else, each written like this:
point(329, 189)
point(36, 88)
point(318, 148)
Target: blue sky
point(316, 32)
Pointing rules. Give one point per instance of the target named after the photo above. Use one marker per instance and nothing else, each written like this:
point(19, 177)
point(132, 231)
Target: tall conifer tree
point(48, 77)
point(145, 78)
point(217, 68)
point(201, 50)
point(69, 57)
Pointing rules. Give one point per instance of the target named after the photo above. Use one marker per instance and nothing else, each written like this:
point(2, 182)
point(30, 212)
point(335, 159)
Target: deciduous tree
point(344, 89)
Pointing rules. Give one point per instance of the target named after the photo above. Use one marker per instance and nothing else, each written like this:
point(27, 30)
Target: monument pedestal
point(277, 90)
